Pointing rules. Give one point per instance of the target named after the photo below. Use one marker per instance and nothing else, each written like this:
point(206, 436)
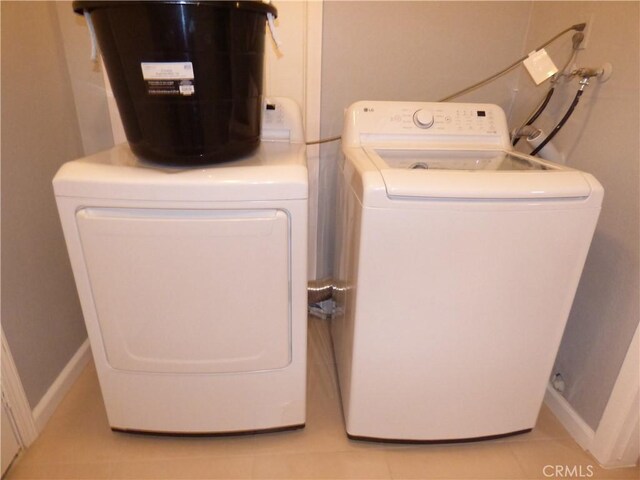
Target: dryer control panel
point(437, 124)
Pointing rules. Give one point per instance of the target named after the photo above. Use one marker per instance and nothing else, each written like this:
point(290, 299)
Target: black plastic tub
point(186, 75)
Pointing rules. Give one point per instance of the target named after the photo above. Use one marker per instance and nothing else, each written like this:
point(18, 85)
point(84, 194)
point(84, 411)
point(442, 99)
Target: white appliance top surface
point(275, 171)
point(449, 150)
point(474, 174)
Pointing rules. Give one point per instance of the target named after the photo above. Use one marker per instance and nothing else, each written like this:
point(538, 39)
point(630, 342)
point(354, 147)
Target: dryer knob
point(423, 118)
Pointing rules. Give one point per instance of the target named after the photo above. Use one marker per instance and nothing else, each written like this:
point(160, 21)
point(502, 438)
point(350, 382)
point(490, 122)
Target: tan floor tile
point(323, 396)
point(462, 461)
point(80, 447)
point(83, 404)
point(547, 427)
point(615, 473)
point(66, 471)
point(317, 436)
point(187, 468)
point(319, 347)
point(139, 448)
point(328, 465)
point(539, 459)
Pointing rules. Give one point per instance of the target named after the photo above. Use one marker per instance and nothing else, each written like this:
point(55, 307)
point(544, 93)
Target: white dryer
point(193, 283)
point(459, 260)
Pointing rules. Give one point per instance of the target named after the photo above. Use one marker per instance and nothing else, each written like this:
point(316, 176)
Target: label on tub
point(168, 78)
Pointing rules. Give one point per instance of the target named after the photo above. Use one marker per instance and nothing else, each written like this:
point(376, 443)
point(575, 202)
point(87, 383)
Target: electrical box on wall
point(540, 66)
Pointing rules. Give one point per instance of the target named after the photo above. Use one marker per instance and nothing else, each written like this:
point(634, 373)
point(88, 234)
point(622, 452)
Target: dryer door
point(190, 291)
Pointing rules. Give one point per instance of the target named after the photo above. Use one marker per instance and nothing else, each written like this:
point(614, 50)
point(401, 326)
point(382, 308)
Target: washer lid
point(276, 171)
point(474, 174)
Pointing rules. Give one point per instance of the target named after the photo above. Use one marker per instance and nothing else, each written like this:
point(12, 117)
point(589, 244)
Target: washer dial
point(423, 118)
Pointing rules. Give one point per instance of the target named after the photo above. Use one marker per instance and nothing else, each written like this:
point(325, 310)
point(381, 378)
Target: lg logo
point(568, 471)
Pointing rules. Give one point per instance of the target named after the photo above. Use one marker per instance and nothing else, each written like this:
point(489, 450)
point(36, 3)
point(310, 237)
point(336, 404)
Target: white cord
point(274, 32)
point(92, 34)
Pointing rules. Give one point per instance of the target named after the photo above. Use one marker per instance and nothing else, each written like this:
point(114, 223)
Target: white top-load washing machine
point(193, 283)
point(458, 261)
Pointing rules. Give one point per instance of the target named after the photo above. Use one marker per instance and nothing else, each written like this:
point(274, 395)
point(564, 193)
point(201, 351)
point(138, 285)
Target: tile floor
point(77, 443)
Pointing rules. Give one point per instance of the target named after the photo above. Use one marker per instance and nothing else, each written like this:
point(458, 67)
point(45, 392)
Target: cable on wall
point(579, 27)
point(324, 140)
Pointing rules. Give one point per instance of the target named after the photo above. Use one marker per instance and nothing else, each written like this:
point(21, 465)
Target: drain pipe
point(525, 131)
point(535, 137)
point(322, 295)
point(548, 151)
point(319, 291)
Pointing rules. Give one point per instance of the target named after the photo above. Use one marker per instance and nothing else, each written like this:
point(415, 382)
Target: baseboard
point(582, 433)
point(59, 388)
point(617, 439)
point(15, 397)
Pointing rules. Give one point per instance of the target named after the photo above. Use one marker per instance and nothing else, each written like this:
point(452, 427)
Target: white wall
point(602, 137)
point(41, 313)
point(284, 69)
point(86, 81)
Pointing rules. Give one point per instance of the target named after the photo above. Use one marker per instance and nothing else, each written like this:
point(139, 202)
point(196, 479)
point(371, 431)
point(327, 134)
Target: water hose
point(561, 123)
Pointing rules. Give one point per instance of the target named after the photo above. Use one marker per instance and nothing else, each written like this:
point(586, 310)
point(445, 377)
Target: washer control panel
point(450, 123)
